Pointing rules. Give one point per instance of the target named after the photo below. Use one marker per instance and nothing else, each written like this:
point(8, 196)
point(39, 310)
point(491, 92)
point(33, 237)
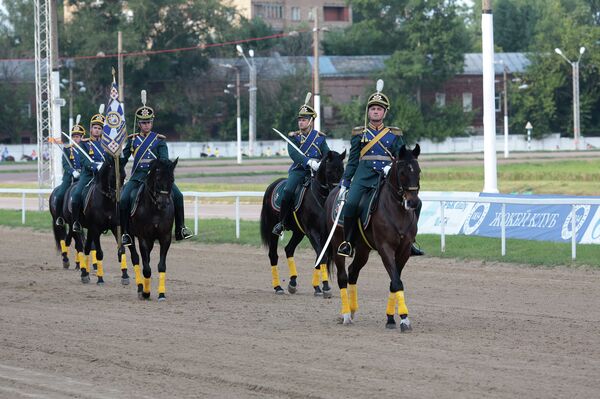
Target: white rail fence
point(425, 196)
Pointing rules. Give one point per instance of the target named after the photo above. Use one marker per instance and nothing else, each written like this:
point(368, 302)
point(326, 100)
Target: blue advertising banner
point(530, 222)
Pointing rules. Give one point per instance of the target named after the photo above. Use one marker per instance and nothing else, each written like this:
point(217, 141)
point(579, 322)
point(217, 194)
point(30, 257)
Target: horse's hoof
point(292, 289)
point(85, 279)
point(95, 266)
point(318, 291)
point(353, 316)
point(65, 262)
point(279, 290)
point(405, 325)
point(327, 293)
point(162, 298)
point(125, 281)
point(146, 295)
point(391, 326)
point(347, 319)
point(77, 266)
point(140, 296)
point(100, 282)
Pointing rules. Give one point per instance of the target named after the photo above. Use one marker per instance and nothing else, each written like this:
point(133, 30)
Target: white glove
point(99, 165)
point(76, 174)
point(314, 164)
point(343, 191)
point(386, 170)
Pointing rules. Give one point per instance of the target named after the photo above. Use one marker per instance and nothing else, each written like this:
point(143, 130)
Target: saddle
point(277, 195)
point(88, 190)
point(136, 202)
point(367, 205)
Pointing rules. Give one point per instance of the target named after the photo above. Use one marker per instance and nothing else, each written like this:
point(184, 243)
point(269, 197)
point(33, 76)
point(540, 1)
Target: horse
point(391, 232)
point(152, 220)
point(309, 221)
point(63, 234)
point(98, 216)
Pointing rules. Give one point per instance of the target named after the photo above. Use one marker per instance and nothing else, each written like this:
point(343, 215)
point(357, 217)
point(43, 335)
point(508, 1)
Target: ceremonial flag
point(114, 131)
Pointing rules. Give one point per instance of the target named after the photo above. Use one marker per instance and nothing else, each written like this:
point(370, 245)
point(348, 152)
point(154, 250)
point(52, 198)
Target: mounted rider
point(373, 147)
point(314, 146)
point(72, 164)
point(96, 153)
point(147, 146)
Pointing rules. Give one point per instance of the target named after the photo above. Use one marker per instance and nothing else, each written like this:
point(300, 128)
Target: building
point(285, 14)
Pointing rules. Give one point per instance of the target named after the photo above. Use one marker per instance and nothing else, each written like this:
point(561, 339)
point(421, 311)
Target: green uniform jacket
point(161, 151)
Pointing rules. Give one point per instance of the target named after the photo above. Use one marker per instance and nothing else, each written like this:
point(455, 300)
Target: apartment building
point(284, 14)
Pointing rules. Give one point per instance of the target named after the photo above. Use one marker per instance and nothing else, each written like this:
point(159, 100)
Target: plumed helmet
point(99, 118)
point(378, 98)
point(77, 129)
point(144, 113)
point(306, 111)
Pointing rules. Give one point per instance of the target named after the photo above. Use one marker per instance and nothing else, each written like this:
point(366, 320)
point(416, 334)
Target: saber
point(337, 219)
point(78, 147)
point(61, 151)
point(289, 141)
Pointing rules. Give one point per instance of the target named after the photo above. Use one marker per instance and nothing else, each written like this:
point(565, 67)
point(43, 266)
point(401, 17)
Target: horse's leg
point(388, 256)
point(320, 271)
point(290, 248)
point(274, 258)
point(99, 255)
point(145, 249)
point(68, 240)
point(94, 255)
point(135, 259)
point(402, 255)
point(342, 278)
point(360, 259)
point(122, 257)
point(85, 272)
point(61, 232)
point(165, 243)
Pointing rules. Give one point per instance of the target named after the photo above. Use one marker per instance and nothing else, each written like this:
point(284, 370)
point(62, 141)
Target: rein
point(399, 191)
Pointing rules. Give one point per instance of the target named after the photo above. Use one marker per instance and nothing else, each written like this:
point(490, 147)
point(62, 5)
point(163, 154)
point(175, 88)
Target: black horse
point(309, 220)
point(63, 234)
point(391, 232)
point(98, 216)
point(152, 220)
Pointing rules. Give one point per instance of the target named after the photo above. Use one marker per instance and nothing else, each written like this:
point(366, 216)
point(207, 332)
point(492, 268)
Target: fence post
point(196, 215)
point(23, 209)
point(574, 237)
point(443, 226)
point(503, 229)
point(237, 217)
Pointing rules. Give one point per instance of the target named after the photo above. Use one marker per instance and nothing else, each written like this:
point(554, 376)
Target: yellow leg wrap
point(161, 282)
point(391, 306)
point(100, 271)
point(353, 296)
point(345, 305)
point(124, 262)
point(63, 247)
point(315, 280)
point(82, 261)
point(147, 285)
point(138, 274)
point(324, 275)
point(275, 275)
point(292, 265)
point(402, 309)
point(94, 258)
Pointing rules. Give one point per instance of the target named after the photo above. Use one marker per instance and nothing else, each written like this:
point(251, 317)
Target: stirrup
point(77, 227)
point(345, 249)
point(126, 240)
point(186, 233)
point(414, 251)
point(278, 229)
point(60, 221)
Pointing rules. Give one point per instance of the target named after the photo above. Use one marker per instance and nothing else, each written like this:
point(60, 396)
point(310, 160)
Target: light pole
point(505, 94)
point(252, 92)
point(70, 64)
point(575, 66)
point(239, 118)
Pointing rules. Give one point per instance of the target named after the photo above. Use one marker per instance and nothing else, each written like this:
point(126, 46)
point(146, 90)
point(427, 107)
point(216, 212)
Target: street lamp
point(252, 92)
point(239, 118)
point(70, 64)
point(575, 66)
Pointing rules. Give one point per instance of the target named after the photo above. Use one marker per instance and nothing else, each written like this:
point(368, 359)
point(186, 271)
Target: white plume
point(78, 119)
point(379, 86)
point(143, 94)
point(101, 109)
point(307, 99)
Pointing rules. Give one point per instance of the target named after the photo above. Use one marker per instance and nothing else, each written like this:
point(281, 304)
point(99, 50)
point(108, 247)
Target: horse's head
point(331, 169)
point(160, 181)
point(404, 177)
point(106, 176)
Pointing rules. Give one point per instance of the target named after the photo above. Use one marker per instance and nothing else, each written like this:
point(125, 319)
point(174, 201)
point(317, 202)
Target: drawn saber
point(78, 147)
point(290, 142)
point(335, 223)
point(61, 151)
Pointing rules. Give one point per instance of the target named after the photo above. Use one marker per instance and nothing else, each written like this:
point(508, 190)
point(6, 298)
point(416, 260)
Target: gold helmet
point(99, 118)
point(144, 113)
point(77, 129)
point(306, 111)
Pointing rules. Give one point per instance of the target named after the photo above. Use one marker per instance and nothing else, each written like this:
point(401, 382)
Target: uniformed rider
point(313, 145)
point(91, 165)
point(147, 146)
point(71, 162)
point(371, 152)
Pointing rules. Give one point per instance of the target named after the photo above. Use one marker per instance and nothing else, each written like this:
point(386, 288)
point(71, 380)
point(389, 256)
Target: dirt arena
point(479, 330)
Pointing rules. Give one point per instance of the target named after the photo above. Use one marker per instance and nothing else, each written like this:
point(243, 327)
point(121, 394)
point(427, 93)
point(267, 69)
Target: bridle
point(155, 193)
point(398, 190)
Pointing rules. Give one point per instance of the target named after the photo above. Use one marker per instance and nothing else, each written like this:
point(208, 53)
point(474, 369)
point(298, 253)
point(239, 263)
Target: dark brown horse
point(391, 232)
point(309, 220)
point(63, 234)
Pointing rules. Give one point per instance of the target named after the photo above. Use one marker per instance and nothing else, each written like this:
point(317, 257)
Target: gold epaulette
point(358, 130)
point(396, 130)
point(160, 136)
point(85, 139)
point(292, 134)
point(321, 133)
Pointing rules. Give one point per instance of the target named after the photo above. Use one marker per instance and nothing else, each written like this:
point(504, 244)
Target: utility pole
point(505, 72)
point(575, 67)
point(490, 184)
point(316, 88)
point(120, 72)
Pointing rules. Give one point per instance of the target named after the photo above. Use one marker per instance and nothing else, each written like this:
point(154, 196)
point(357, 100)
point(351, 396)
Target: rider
point(313, 145)
point(93, 148)
point(145, 147)
point(372, 148)
point(72, 164)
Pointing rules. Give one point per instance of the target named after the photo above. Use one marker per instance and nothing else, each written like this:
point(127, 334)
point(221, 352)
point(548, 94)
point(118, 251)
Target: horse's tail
point(266, 212)
point(57, 230)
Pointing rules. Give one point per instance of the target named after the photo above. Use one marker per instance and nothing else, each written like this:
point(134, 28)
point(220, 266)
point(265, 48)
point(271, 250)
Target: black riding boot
point(286, 206)
point(125, 238)
point(346, 248)
point(414, 251)
point(75, 210)
point(181, 232)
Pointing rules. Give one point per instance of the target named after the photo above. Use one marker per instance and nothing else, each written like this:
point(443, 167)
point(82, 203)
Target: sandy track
point(479, 330)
